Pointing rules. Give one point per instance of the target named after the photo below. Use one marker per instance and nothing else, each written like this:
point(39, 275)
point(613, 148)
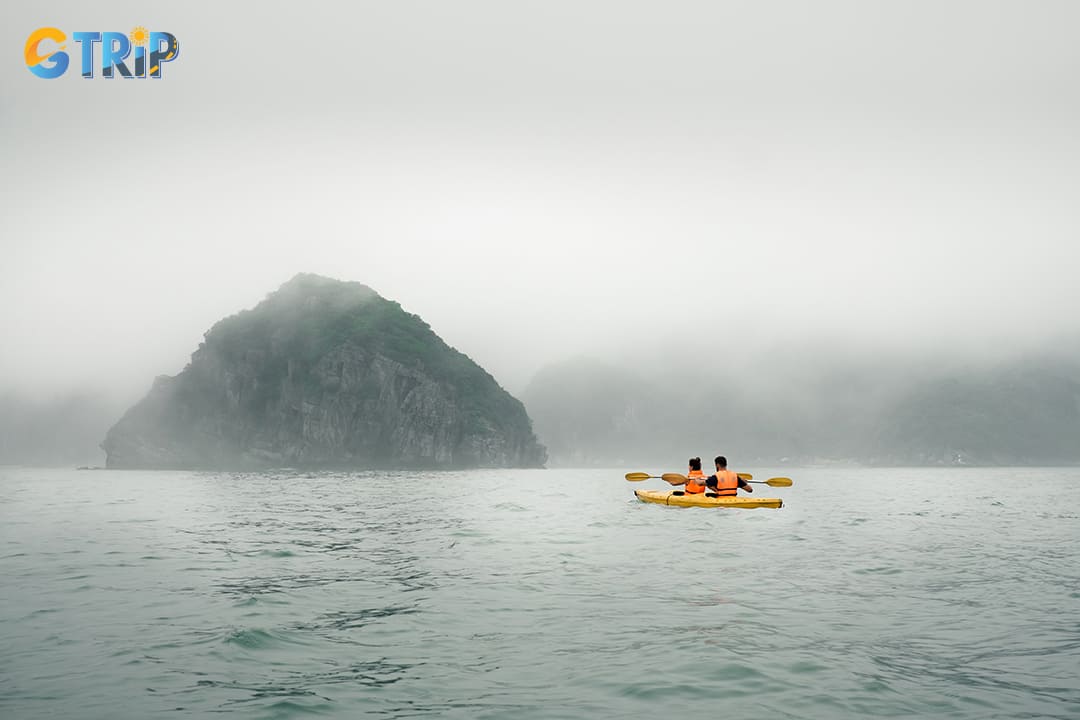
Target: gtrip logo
point(45, 56)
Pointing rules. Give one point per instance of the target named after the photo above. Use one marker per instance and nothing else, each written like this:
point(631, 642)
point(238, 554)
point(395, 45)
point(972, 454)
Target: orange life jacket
point(695, 482)
point(727, 483)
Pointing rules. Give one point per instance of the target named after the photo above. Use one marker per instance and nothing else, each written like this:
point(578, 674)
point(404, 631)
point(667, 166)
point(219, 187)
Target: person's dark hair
point(695, 463)
point(721, 461)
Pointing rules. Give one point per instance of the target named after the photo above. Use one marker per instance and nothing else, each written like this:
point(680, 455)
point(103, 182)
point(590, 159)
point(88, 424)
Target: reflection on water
point(536, 594)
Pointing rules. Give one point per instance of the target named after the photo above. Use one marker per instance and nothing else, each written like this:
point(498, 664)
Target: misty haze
point(730, 200)
point(767, 210)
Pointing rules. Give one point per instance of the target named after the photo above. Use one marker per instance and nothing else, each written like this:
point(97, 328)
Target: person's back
point(726, 483)
point(695, 478)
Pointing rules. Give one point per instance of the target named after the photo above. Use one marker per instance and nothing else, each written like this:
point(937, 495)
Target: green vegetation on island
point(325, 373)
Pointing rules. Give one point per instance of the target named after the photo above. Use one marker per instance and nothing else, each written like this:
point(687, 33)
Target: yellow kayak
point(677, 497)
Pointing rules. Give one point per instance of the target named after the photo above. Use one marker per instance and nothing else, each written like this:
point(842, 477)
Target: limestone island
point(325, 374)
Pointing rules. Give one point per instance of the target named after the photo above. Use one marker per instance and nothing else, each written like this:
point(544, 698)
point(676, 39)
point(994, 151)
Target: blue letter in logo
point(113, 56)
point(159, 55)
point(86, 40)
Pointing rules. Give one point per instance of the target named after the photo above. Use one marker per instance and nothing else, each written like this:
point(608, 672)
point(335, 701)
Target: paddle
point(678, 479)
point(775, 482)
point(669, 477)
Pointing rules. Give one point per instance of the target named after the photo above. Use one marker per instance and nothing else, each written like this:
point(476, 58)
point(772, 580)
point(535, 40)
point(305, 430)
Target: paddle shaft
point(679, 479)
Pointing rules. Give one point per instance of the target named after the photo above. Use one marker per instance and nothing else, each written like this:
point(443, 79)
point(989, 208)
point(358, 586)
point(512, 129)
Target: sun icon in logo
point(139, 35)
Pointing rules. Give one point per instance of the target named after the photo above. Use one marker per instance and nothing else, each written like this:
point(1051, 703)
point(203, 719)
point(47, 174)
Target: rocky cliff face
point(325, 374)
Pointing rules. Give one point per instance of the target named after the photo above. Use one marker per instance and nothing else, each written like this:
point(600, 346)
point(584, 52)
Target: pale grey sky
point(545, 179)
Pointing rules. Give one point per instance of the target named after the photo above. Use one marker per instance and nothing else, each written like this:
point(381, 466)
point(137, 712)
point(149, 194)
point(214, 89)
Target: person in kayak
point(695, 479)
point(725, 483)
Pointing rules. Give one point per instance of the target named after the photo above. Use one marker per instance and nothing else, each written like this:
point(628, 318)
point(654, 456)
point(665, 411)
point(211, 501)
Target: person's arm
point(710, 482)
point(745, 486)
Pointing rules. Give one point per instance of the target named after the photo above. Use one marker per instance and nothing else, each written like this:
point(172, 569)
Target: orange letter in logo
point(35, 61)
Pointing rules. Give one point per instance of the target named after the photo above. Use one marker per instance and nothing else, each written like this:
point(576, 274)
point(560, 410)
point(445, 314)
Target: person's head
point(721, 462)
point(695, 463)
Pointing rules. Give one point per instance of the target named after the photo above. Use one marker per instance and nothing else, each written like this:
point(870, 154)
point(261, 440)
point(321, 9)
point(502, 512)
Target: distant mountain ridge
point(65, 430)
point(325, 373)
point(1016, 416)
point(1023, 413)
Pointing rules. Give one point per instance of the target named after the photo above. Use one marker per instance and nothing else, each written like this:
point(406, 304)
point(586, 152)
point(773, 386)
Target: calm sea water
point(538, 594)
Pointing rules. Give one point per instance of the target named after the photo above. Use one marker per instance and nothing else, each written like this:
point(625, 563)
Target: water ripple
point(533, 594)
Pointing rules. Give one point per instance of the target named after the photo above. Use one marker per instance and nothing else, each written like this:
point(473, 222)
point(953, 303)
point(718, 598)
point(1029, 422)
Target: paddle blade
point(746, 476)
point(674, 478)
point(638, 476)
point(779, 482)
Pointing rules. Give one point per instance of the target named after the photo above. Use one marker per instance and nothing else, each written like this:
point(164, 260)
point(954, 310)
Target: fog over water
point(646, 183)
